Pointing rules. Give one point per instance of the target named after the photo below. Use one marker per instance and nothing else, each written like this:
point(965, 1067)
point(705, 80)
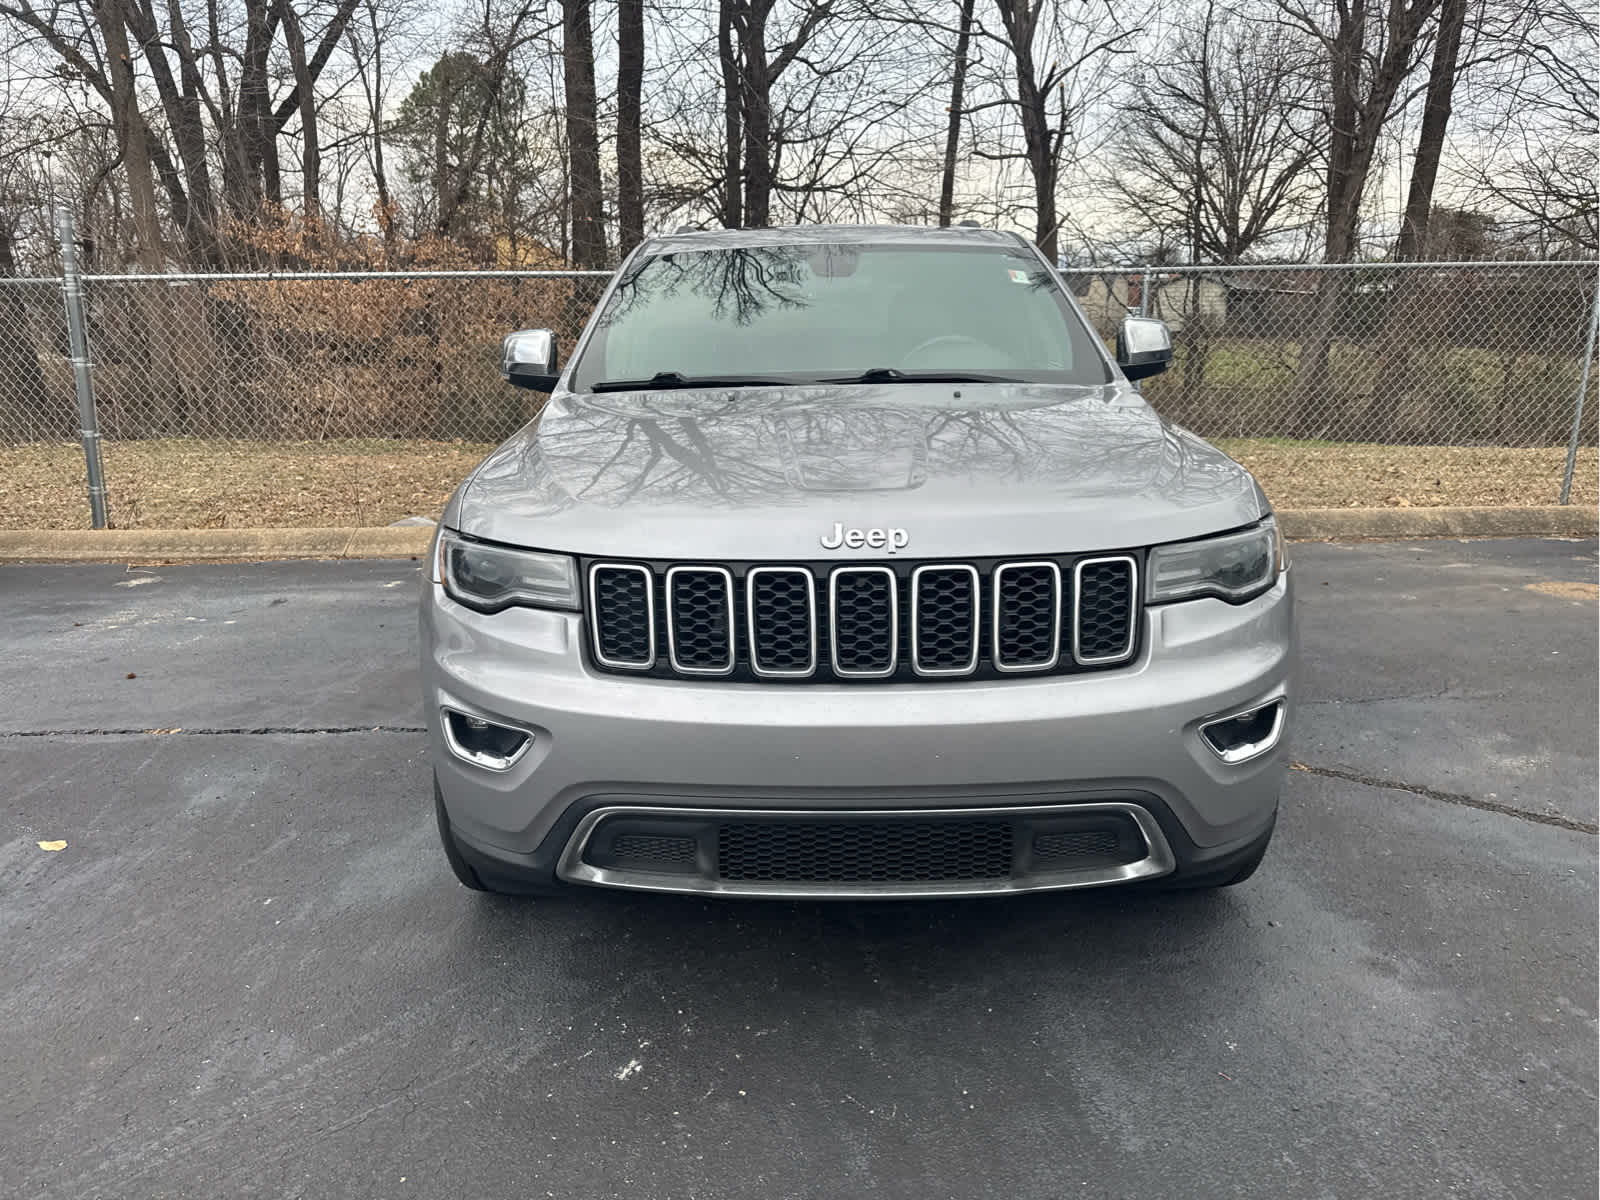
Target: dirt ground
point(190, 484)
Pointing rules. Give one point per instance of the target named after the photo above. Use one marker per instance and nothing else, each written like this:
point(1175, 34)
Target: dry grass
point(190, 484)
point(1354, 475)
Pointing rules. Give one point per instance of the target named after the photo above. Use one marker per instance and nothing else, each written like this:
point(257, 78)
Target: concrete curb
point(254, 545)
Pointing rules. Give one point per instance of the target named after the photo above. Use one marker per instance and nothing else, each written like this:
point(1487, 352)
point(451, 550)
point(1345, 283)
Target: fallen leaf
point(52, 845)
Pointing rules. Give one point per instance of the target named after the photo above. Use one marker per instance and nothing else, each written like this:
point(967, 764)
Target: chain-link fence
point(347, 398)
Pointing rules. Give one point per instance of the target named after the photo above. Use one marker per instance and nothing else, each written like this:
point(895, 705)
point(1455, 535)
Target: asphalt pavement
point(250, 973)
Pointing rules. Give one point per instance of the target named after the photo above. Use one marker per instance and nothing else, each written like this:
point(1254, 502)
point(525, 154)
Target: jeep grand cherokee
point(846, 562)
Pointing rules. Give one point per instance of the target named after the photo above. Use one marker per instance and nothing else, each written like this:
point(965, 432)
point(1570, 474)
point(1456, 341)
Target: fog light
point(1243, 736)
point(483, 743)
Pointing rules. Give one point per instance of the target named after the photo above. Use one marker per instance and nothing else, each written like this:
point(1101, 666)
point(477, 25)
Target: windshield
point(816, 312)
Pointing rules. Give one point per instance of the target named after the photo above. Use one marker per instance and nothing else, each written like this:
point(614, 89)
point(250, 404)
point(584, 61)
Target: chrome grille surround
point(674, 635)
point(892, 658)
point(998, 604)
point(1153, 858)
point(1078, 619)
point(976, 634)
point(753, 633)
point(598, 634)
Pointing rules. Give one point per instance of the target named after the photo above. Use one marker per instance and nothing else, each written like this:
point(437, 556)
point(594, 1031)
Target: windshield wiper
point(675, 379)
point(896, 375)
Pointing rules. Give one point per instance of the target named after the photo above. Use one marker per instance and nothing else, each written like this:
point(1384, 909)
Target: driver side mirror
point(1144, 347)
point(528, 360)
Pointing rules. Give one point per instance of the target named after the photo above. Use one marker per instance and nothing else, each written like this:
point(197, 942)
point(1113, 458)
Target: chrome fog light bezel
point(1247, 751)
point(489, 762)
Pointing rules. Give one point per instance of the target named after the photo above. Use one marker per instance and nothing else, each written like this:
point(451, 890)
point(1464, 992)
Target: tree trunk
point(255, 118)
point(1412, 244)
point(132, 136)
point(583, 137)
point(310, 150)
point(732, 120)
point(756, 94)
point(630, 81)
point(952, 137)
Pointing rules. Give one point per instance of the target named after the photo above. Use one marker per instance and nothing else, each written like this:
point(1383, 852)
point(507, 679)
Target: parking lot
point(249, 971)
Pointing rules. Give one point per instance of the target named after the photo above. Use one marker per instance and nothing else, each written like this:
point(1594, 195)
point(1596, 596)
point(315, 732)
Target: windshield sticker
point(1018, 276)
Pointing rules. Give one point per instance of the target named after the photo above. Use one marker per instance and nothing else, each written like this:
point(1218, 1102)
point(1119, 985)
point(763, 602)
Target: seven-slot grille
point(825, 622)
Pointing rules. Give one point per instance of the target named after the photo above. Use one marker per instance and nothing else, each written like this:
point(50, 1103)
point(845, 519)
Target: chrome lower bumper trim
point(1157, 861)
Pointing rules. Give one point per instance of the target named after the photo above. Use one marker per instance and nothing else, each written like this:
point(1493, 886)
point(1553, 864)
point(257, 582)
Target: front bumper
point(1129, 735)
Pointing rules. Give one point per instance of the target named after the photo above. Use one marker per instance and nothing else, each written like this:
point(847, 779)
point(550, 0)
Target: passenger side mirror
point(528, 360)
point(1144, 347)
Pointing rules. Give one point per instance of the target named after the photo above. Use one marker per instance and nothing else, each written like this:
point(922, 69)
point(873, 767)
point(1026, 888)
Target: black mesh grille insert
point(621, 598)
point(1025, 615)
point(864, 851)
point(702, 632)
point(864, 621)
point(1079, 847)
point(781, 612)
point(947, 619)
point(645, 850)
point(1105, 608)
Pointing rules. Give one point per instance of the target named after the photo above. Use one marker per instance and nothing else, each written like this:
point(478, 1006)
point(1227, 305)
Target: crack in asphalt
point(257, 731)
point(1461, 798)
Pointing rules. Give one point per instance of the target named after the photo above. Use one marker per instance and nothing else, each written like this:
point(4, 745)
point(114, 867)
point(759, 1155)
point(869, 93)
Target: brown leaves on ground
point(1355, 475)
point(191, 484)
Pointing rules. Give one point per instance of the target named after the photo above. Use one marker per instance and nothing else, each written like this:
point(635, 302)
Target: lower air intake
point(864, 852)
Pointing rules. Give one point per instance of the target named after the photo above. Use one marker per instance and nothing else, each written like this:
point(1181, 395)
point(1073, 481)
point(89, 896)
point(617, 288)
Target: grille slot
point(864, 605)
point(700, 620)
point(864, 851)
point(1027, 616)
point(623, 613)
point(1104, 591)
point(944, 620)
point(781, 610)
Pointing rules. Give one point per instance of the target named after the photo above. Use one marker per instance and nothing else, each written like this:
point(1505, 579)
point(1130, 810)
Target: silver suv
point(846, 562)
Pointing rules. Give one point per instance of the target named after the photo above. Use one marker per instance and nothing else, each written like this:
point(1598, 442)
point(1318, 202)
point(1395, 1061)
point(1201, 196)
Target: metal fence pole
point(82, 368)
point(1144, 295)
point(1577, 410)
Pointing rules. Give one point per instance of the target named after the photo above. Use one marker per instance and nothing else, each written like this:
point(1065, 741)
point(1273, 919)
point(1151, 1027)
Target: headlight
point(1233, 567)
point(490, 578)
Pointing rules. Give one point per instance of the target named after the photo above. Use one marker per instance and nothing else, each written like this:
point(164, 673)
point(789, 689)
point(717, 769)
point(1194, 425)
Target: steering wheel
point(952, 341)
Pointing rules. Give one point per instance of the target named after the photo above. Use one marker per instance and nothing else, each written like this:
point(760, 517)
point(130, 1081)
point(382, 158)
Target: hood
point(769, 473)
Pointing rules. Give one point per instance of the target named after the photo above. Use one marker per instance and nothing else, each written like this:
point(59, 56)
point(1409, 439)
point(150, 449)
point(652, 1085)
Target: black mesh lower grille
point(621, 597)
point(864, 851)
point(864, 619)
point(1027, 603)
point(702, 627)
point(1105, 608)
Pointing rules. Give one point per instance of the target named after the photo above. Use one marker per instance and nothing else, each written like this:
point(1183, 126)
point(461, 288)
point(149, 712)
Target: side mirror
point(528, 360)
point(1144, 347)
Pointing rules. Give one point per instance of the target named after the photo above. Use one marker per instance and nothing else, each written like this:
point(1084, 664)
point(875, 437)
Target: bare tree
point(952, 139)
point(1220, 138)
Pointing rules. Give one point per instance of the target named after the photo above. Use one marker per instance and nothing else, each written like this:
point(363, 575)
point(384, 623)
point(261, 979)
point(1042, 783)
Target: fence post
point(1144, 295)
point(82, 368)
point(1577, 409)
